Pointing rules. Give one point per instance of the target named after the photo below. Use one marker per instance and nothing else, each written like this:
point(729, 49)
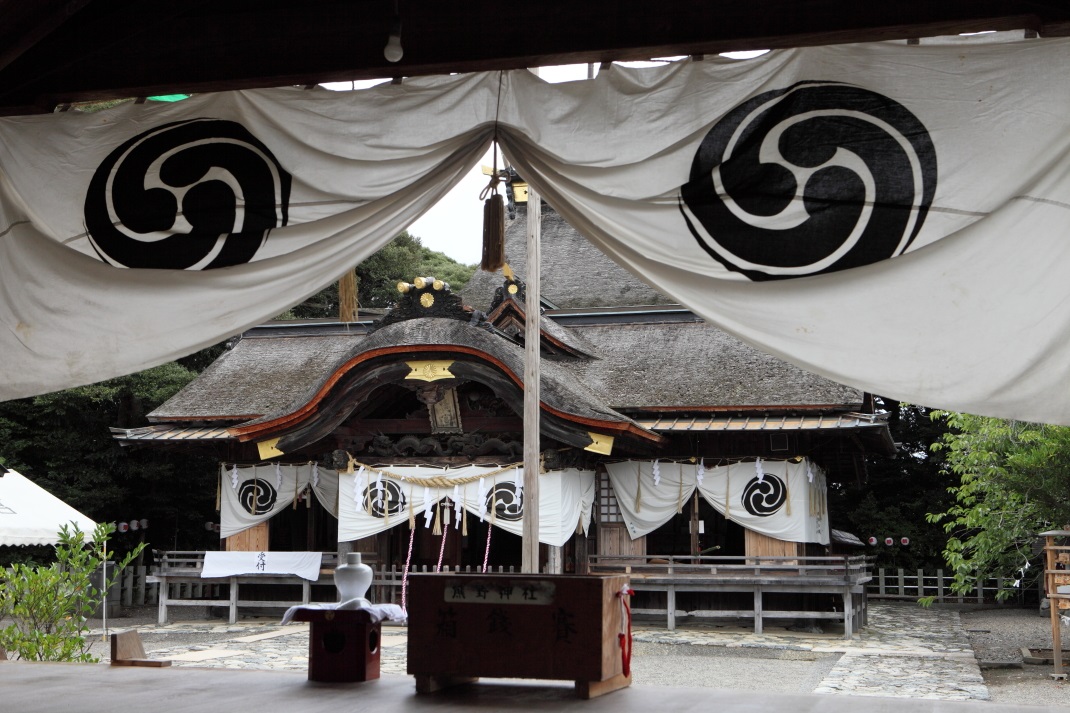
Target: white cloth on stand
point(305, 565)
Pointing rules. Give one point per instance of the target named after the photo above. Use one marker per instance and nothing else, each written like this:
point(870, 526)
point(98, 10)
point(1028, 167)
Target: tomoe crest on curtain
point(814, 178)
point(189, 195)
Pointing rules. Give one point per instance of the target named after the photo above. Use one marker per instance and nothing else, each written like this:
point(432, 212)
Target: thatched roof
point(693, 364)
point(574, 272)
point(638, 364)
point(259, 375)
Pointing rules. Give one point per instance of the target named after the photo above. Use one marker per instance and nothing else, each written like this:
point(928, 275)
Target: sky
point(454, 226)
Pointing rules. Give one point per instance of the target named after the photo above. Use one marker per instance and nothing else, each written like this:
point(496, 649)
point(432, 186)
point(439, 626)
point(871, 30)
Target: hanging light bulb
point(393, 51)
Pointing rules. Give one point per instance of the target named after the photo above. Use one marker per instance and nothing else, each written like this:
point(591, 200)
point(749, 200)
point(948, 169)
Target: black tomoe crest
point(764, 497)
point(196, 194)
point(391, 502)
point(506, 502)
point(257, 496)
point(814, 178)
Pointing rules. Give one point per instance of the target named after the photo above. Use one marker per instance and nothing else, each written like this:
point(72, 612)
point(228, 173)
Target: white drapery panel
point(250, 495)
point(892, 217)
point(374, 501)
point(322, 180)
point(780, 499)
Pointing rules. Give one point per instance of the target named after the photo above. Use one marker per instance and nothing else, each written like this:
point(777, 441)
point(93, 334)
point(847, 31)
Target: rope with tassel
point(494, 206)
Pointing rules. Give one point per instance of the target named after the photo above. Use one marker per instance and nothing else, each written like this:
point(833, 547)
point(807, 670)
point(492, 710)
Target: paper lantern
point(889, 541)
point(209, 526)
point(873, 540)
point(144, 523)
point(904, 541)
point(135, 525)
point(123, 527)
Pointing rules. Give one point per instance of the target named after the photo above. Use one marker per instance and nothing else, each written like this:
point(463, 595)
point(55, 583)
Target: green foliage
point(1013, 482)
point(897, 493)
point(48, 606)
point(62, 442)
point(403, 259)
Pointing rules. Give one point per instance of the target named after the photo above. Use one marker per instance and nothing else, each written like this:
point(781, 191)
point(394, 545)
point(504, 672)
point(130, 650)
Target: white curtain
point(250, 495)
point(892, 217)
point(780, 499)
point(372, 501)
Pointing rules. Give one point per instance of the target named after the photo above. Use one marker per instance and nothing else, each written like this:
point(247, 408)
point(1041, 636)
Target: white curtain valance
point(250, 495)
point(780, 499)
point(891, 217)
point(374, 501)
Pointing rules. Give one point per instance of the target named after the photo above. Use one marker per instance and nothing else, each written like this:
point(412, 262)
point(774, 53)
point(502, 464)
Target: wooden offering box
point(463, 626)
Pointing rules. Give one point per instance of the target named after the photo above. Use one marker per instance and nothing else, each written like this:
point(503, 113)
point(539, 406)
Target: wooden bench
point(180, 568)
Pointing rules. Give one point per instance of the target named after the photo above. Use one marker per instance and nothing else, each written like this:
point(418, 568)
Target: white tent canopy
point(30, 515)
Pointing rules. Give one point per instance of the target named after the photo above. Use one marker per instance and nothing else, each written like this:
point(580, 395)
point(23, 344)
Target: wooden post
point(902, 591)
point(921, 583)
point(940, 585)
point(1053, 607)
point(530, 546)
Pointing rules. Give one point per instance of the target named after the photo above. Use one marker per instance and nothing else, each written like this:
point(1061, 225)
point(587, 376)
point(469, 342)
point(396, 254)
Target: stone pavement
point(905, 651)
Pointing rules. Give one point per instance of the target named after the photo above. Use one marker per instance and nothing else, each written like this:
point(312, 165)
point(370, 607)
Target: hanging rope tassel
point(405, 574)
point(680, 493)
point(625, 637)
point(494, 208)
point(412, 512)
point(438, 520)
point(727, 488)
point(442, 549)
point(464, 513)
point(486, 552)
point(219, 488)
point(638, 488)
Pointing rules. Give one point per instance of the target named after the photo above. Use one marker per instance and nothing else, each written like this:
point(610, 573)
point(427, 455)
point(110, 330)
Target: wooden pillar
point(555, 560)
point(530, 547)
point(1053, 606)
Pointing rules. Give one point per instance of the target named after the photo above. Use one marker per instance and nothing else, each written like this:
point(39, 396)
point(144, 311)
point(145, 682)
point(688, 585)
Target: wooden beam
point(532, 377)
point(123, 48)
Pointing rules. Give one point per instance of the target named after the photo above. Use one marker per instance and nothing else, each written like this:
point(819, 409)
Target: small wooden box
point(566, 627)
point(343, 645)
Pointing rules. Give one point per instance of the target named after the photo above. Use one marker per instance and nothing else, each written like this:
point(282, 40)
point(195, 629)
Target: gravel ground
point(996, 635)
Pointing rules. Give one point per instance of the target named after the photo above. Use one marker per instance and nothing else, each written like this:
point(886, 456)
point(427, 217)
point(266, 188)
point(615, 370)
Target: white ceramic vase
point(353, 578)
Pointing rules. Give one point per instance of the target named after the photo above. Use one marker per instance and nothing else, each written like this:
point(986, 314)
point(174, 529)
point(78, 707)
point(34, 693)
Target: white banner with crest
point(893, 217)
point(780, 499)
point(373, 500)
point(250, 495)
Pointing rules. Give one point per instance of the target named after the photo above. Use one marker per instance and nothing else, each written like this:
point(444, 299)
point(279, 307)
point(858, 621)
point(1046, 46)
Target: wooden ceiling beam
point(123, 48)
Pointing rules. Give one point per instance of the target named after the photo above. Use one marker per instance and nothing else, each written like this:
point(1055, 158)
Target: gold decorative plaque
point(513, 289)
point(600, 443)
point(429, 370)
point(427, 299)
point(268, 448)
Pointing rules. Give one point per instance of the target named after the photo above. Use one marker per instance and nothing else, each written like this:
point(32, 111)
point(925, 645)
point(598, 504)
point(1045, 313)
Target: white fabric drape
point(565, 500)
point(767, 195)
point(260, 492)
point(784, 500)
point(364, 166)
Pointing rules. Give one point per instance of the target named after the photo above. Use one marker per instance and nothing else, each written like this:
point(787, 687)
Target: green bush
point(47, 608)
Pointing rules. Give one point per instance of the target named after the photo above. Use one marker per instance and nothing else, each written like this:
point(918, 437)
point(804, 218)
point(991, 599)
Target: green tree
point(62, 441)
point(1013, 483)
point(48, 605)
point(898, 492)
point(402, 259)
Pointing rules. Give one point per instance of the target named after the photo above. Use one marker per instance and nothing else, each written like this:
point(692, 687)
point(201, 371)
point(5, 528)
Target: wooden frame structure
point(843, 576)
point(1055, 579)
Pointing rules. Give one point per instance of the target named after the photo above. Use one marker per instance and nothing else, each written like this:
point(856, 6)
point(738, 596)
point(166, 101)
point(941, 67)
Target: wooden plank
point(255, 539)
point(532, 385)
point(238, 46)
